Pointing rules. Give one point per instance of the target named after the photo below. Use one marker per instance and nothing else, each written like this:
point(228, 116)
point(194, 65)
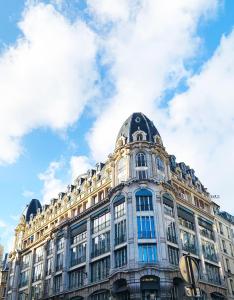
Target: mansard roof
point(138, 122)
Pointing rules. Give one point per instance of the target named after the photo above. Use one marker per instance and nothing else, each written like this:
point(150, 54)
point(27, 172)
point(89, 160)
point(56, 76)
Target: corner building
point(119, 230)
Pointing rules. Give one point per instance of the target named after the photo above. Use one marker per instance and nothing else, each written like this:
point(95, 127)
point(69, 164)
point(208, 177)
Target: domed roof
point(32, 208)
point(138, 122)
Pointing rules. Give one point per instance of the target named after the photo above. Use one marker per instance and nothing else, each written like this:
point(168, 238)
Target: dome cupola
point(32, 209)
point(137, 128)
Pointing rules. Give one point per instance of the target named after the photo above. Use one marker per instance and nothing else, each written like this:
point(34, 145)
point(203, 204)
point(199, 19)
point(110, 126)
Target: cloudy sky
point(71, 72)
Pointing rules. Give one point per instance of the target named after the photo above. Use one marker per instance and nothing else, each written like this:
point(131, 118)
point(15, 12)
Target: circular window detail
point(138, 119)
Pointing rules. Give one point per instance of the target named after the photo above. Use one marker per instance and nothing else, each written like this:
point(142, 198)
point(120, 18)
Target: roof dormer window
point(139, 135)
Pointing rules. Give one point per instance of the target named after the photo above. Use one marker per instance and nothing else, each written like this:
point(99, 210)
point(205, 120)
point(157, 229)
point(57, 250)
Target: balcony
point(211, 257)
point(186, 224)
point(78, 260)
point(100, 251)
point(190, 248)
point(101, 226)
point(146, 234)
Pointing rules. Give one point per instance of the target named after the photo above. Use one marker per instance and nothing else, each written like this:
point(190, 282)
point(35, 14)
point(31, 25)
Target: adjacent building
point(119, 230)
point(3, 278)
point(224, 224)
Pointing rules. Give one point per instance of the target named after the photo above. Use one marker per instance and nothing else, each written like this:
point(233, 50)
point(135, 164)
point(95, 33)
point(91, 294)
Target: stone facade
point(119, 230)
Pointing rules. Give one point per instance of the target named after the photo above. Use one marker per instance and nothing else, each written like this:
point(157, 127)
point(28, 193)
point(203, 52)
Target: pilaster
point(199, 248)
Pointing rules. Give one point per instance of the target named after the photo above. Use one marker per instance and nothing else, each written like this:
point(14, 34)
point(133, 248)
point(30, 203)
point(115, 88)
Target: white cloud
point(79, 165)
point(51, 184)
point(202, 120)
point(46, 78)
point(148, 52)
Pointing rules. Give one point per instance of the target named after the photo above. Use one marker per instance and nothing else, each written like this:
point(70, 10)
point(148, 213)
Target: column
point(88, 252)
point(16, 279)
point(51, 290)
point(128, 166)
point(131, 242)
point(135, 290)
point(203, 274)
point(166, 286)
point(177, 228)
point(44, 267)
point(161, 236)
point(66, 260)
point(112, 238)
point(30, 277)
point(219, 255)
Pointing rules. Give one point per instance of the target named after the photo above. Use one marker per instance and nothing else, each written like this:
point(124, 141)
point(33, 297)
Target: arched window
point(141, 160)
point(160, 164)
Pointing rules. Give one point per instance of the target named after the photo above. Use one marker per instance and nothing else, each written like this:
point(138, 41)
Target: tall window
point(173, 254)
point(144, 200)
point(168, 204)
point(145, 227)
point(78, 254)
point(100, 269)
point(141, 166)
point(224, 246)
point(37, 291)
point(60, 243)
point(58, 284)
point(24, 278)
point(171, 231)
point(101, 222)
point(39, 254)
point(209, 250)
point(141, 160)
point(37, 272)
point(121, 257)
point(101, 244)
point(76, 278)
point(26, 261)
point(213, 273)
point(47, 286)
point(50, 247)
point(59, 261)
point(49, 266)
point(147, 253)
point(120, 208)
point(120, 232)
point(188, 241)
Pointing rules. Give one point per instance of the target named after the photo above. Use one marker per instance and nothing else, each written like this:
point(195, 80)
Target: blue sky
point(71, 73)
